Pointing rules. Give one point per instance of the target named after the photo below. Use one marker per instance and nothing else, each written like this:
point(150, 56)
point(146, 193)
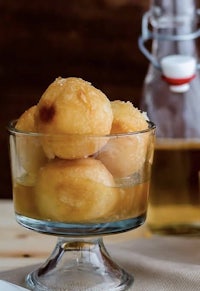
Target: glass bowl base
point(80, 229)
point(79, 264)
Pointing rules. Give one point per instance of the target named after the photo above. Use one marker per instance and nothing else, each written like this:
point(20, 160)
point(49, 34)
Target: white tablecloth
point(158, 263)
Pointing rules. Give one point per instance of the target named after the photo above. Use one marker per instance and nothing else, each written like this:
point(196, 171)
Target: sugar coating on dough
point(73, 106)
point(75, 191)
point(127, 118)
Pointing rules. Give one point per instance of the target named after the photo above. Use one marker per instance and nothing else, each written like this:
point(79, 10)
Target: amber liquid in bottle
point(175, 188)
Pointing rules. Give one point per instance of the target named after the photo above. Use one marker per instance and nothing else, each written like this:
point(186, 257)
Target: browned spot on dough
point(26, 255)
point(47, 113)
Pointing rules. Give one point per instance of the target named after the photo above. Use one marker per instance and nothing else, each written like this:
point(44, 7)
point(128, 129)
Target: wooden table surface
point(22, 247)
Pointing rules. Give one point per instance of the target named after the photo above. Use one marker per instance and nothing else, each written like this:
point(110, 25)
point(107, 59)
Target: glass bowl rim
point(12, 130)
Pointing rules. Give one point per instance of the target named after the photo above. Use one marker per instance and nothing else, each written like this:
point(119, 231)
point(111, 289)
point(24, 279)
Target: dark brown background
point(41, 40)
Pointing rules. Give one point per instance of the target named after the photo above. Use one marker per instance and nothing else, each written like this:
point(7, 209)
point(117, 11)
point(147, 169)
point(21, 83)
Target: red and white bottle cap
point(178, 71)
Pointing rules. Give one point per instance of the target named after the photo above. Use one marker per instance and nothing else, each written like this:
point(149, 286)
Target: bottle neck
point(173, 29)
point(172, 25)
point(174, 13)
point(173, 18)
point(162, 48)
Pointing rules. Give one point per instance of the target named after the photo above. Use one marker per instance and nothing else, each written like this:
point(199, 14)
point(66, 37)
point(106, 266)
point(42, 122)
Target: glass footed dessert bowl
point(103, 191)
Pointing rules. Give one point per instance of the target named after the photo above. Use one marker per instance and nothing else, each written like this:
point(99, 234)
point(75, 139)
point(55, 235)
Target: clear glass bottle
point(174, 106)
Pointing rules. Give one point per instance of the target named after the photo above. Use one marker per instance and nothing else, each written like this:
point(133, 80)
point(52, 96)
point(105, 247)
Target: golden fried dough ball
point(75, 191)
point(26, 121)
point(29, 147)
point(124, 155)
point(72, 106)
point(127, 118)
